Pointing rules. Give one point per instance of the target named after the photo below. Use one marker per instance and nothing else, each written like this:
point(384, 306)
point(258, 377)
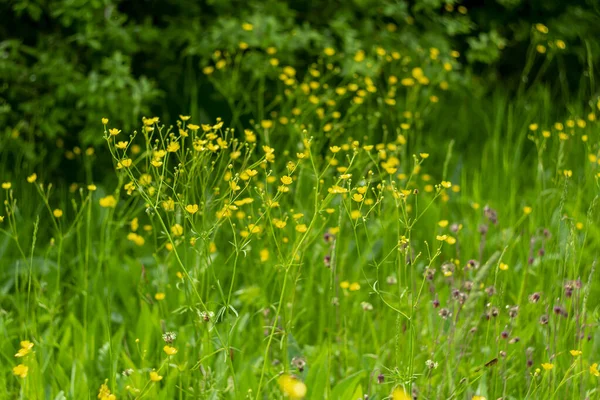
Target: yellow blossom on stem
point(169, 350)
point(21, 371)
point(108, 201)
point(155, 377)
point(192, 208)
point(547, 366)
point(292, 387)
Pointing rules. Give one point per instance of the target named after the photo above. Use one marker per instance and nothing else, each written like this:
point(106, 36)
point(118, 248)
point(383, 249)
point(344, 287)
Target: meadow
point(350, 230)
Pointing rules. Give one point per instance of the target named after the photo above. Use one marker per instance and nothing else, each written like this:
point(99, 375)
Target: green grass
point(248, 297)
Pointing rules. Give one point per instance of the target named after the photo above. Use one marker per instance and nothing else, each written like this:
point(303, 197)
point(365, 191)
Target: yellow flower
point(354, 287)
point(503, 266)
point(193, 127)
point(541, 28)
point(547, 366)
point(247, 26)
point(292, 387)
point(344, 284)
point(114, 131)
point(441, 238)
point(126, 162)
point(358, 197)
point(400, 394)
point(160, 296)
point(424, 155)
point(527, 210)
point(104, 121)
point(335, 189)
point(286, 180)
point(301, 228)
point(533, 127)
point(25, 349)
point(561, 44)
point(155, 377)
point(6, 185)
point(21, 371)
point(266, 124)
point(192, 208)
point(170, 350)
point(264, 255)
point(108, 201)
point(446, 184)
point(57, 212)
point(575, 353)
point(173, 147)
point(184, 117)
point(31, 178)
point(477, 397)
point(177, 230)
point(594, 369)
point(329, 51)
point(104, 392)
point(443, 223)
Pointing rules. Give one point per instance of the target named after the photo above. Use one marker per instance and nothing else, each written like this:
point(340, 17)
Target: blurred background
point(65, 64)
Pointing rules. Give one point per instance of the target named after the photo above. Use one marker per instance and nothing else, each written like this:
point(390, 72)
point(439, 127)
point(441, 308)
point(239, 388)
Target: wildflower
point(104, 392)
point(177, 230)
point(335, 189)
point(192, 208)
point(357, 197)
point(104, 121)
point(31, 178)
point(400, 394)
point(477, 397)
point(441, 238)
point(57, 212)
point(160, 296)
point(6, 185)
point(547, 366)
point(108, 201)
point(541, 28)
point(561, 44)
point(169, 350)
point(503, 266)
point(247, 26)
point(173, 147)
point(594, 369)
point(329, 51)
point(424, 155)
point(354, 287)
point(25, 349)
point(301, 228)
point(286, 180)
point(266, 124)
point(126, 162)
point(366, 306)
point(527, 210)
point(155, 377)
point(114, 131)
point(344, 284)
point(575, 353)
point(446, 184)
point(292, 387)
